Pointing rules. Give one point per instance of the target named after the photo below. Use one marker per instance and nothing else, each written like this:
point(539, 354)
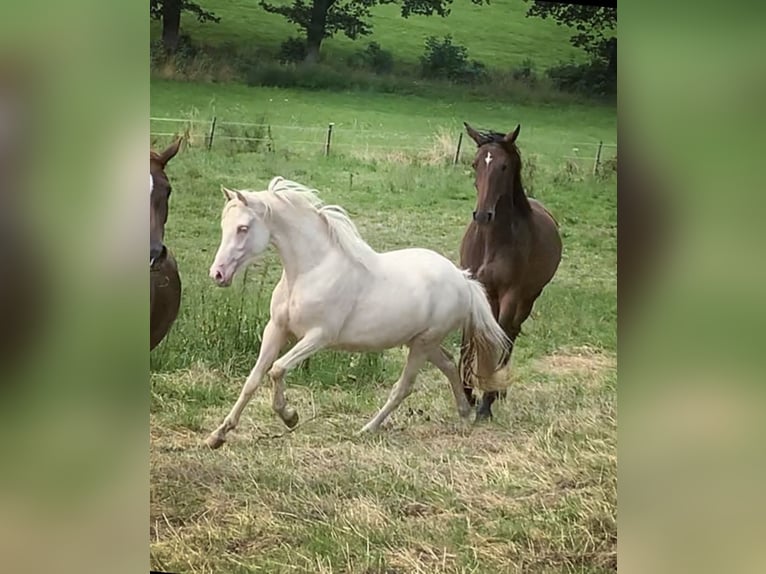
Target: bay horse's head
point(497, 166)
point(159, 192)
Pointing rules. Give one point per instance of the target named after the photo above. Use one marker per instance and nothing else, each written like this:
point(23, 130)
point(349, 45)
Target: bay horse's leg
point(274, 338)
point(512, 315)
point(494, 305)
point(442, 360)
point(468, 391)
point(312, 342)
point(403, 387)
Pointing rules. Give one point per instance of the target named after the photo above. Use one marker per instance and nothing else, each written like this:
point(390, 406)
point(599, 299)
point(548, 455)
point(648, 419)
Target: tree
point(320, 19)
point(595, 25)
point(169, 11)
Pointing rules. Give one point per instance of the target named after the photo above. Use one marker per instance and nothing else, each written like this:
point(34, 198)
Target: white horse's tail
point(487, 347)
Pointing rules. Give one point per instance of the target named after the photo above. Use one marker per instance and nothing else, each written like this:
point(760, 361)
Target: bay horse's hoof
point(483, 416)
point(292, 420)
point(214, 441)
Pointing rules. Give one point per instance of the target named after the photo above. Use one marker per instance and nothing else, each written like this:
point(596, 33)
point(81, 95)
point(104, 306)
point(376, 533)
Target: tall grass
point(223, 327)
point(222, 65)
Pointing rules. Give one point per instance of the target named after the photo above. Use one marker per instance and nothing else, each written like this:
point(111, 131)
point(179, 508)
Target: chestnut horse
point(512, 246)
point(164, 282)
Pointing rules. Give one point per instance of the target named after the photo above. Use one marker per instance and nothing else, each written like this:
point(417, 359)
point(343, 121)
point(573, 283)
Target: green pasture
point(532, 491)
point(499, 34)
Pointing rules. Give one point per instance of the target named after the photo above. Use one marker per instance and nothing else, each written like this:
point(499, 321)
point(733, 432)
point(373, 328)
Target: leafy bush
point(373, 58)
point(526, 72)
point(185, 53)
point(592, 78)
point(443, 59)
point(188, 61)
point(305, 76)
point(292, 50)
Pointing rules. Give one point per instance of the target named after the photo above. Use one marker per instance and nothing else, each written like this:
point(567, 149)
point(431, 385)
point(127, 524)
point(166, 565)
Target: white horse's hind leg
point(415, 360)
point(307, 346)
point(442, 361)
point(274, 338)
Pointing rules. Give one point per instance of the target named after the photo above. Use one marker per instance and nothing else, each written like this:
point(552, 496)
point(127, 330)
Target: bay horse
point(336, 292)
point(512, 246)
point(164, 281)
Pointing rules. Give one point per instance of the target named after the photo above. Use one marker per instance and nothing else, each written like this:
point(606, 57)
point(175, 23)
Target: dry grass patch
point(535, 491)
point(578, 361)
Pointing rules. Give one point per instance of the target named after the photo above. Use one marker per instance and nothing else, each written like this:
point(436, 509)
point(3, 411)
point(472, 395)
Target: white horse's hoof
point(214, 441)
point(291, 420)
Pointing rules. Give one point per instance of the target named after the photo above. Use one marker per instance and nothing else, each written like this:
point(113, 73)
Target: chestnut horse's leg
point(493, 303)
point(512, 314)
point(466, 389)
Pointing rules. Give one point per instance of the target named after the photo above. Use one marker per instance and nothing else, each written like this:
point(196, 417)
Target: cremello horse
point(337, 292)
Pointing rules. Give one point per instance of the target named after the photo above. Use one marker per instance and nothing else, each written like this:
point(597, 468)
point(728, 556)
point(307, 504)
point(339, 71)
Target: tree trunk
point(612, 58)
point(171, 24)
point(315, 32)
point(312, 48)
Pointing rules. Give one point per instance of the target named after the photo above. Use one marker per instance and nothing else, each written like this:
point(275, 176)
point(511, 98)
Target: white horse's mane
point(342, 230)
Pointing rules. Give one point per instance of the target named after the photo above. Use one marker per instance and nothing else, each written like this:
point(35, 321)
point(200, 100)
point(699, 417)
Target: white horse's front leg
point(274, 338)
point(307, 346)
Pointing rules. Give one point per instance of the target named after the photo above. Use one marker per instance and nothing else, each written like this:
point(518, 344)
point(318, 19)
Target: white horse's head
point(244, 236)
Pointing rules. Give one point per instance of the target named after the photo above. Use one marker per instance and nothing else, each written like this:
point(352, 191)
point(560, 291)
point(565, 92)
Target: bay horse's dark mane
point(492, 137)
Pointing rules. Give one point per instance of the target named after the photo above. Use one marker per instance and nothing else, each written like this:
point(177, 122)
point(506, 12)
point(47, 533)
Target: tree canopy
point(595, 25)
point(321, 19)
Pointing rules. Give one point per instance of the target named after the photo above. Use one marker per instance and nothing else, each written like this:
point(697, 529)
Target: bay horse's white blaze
point(337, 292)
point(488, 158)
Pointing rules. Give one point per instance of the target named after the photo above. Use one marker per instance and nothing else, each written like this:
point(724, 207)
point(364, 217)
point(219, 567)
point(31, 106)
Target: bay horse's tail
point(486, 345)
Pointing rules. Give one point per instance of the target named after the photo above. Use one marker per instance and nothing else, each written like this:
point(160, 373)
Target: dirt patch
point(583, 361)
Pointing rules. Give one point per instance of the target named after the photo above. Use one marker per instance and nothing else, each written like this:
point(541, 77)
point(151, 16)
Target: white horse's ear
point(241, 197)
point(274, 182)
point(230, 194)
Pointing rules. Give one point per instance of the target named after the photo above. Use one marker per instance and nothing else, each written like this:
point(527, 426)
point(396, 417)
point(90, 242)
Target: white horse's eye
point(242, 229)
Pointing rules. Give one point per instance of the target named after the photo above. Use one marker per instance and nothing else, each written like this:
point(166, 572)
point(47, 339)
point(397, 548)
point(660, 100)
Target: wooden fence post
point(457, 152)
point(598, 157)
point(329, 137)
point(212, 134)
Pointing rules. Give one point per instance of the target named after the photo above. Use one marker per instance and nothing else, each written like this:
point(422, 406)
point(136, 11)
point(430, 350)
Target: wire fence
point(442, 145)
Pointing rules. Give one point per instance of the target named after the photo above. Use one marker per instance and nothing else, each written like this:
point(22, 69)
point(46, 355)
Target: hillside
point(498, 35)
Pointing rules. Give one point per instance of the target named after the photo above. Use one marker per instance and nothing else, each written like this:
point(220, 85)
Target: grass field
point(534, 491)
point(372, 118)
point(505, 37)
